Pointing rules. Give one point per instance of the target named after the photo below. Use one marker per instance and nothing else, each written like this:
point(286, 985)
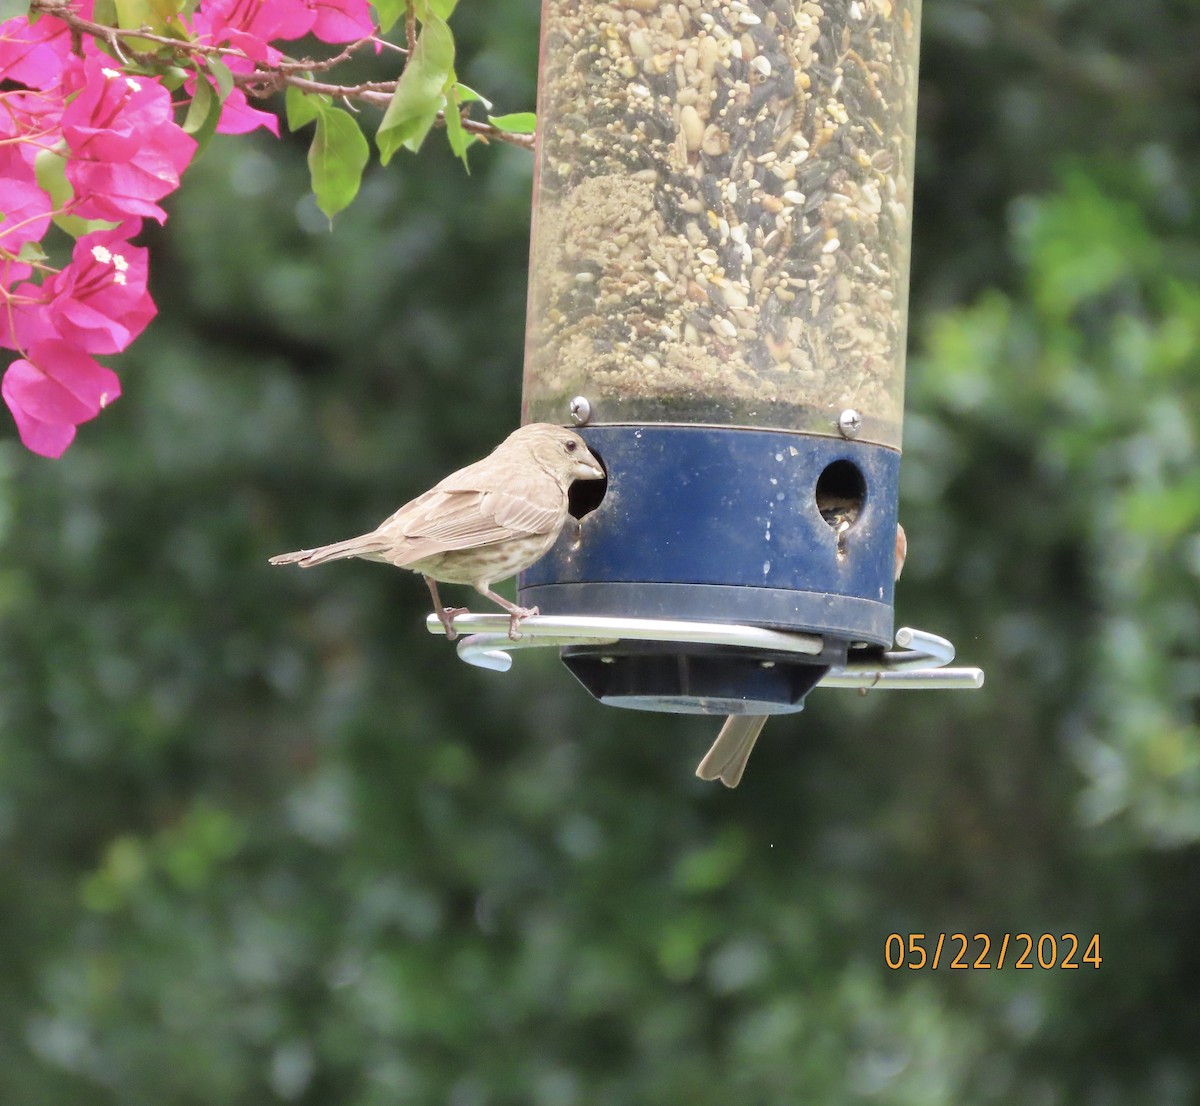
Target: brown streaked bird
point(482, 524)
point(726, 760)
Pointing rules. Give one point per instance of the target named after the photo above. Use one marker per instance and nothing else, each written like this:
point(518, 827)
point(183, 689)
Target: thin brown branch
point(487, 132)
point(323, 65)
point(265, 80)
point(113, 35)
point(410, 26)
point(381, 95)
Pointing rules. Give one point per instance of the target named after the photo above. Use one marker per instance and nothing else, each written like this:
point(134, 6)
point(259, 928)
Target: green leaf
point(105, 11)
point(442, 8)
point(521, 122)
point(204, 112)
point(135, 14)
point(389, 11)
point(167, 11)
point(304, 107)
point(467, 95)
point(457, 135)
point(336, 160)
point(50, 171)
point(223, 76)
point(420, 92)
point(173, 77)
point(31, 253)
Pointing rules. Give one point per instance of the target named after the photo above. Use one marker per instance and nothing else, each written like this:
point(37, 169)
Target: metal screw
point(849, 423)
point(581, 410)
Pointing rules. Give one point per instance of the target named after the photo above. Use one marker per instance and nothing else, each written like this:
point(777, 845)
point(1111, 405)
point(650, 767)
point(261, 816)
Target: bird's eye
point(570, 446)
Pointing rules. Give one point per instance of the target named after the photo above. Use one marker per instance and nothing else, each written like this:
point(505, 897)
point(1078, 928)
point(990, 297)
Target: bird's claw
point(446, 617)
point(515, 617)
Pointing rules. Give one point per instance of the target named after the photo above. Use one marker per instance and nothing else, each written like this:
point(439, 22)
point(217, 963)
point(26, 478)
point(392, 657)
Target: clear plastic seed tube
point(723, 202)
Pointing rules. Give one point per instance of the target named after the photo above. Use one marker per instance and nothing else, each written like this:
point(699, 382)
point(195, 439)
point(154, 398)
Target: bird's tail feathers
point(726, 760)
point(361, 546)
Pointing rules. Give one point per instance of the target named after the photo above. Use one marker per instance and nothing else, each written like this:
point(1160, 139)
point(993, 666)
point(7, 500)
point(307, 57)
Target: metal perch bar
point(919, 679)
point(487, 648)
point(918, 663)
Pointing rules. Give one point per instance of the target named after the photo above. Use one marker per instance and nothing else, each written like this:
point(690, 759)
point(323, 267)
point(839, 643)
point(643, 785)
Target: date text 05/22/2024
point(981, 951)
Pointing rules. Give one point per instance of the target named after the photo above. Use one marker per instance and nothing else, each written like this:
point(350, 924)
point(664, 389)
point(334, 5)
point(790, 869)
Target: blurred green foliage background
point(263, 840)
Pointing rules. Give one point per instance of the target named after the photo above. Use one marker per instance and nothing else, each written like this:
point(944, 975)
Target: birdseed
point(722, 220)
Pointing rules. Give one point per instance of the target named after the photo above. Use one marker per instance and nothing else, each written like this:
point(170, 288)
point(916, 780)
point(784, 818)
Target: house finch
point(481, 524)
point(726, 760)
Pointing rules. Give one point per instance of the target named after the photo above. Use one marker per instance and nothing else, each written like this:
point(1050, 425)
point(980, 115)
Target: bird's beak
point(588, 468)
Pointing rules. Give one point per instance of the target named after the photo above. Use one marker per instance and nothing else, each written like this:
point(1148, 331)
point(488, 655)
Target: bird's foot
point(446, 616)
point(516, 615)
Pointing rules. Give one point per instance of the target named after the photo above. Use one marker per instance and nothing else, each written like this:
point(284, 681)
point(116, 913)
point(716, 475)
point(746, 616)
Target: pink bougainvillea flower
point(10, 273)
point(251, 25)
point(52, 390)
point(237, 116)
point(122, 152)
point(98, 303)
point(30, 121)
point(341, 20)
point(24, 207)
point(34, 54)
point(110, 191)
point(124, 149)
point(111, 114)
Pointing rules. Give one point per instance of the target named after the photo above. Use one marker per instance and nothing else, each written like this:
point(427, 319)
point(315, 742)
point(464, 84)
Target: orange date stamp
point(982, 952)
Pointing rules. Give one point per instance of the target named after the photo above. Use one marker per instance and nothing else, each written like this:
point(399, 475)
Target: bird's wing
point(443, 519)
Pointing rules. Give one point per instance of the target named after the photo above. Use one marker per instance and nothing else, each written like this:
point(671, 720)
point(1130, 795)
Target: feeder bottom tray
point(657, 676)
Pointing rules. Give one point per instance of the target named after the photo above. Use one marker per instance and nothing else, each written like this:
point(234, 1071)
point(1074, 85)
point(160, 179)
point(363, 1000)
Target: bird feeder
point(718, 301)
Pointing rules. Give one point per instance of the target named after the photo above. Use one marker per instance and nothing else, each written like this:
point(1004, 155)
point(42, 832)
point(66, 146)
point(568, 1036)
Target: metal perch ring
point(919, 661)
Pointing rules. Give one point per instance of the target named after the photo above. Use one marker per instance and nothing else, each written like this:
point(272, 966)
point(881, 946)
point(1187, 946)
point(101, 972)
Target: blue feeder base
point(784, 530)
